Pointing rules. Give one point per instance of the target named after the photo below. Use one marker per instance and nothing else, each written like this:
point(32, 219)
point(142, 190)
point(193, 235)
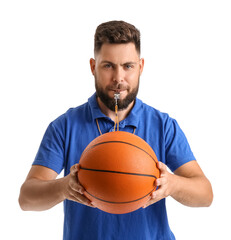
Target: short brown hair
point(116, 32)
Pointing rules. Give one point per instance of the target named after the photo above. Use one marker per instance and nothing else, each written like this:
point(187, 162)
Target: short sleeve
point(51, 151)
point(177, 149)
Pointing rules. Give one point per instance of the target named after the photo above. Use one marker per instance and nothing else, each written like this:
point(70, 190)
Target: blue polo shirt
point(66, 138)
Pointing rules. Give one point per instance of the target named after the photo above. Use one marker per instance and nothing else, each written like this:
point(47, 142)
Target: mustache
point(117, 87)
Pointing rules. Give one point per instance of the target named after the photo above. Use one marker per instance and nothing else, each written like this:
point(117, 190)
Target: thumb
point(162, 167)
point(74, 169)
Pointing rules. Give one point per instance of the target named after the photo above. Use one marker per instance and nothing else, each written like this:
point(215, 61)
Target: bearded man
point(116, 68)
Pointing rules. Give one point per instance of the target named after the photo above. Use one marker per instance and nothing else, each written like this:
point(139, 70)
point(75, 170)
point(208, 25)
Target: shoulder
point(72, 114)
point(154, 114)
point(158, 120)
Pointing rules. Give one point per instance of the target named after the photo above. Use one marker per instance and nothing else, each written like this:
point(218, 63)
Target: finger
point(150, 202)
point(74, 169)
point(160, 181)
point(81, 199)
point(159, 194)
point(78, 166)
point(155, 197)
point(74, 183)
point(147, 203)
point(162, 167)
point(76, 187)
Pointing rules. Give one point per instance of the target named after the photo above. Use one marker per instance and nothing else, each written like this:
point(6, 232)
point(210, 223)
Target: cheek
point(103, 76)
point(133, 78)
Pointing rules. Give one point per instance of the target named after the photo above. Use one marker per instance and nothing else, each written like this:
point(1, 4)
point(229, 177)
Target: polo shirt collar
point(131, 120)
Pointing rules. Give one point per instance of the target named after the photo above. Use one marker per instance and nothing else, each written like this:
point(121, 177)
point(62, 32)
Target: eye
point(107, 65)
point(128, 66)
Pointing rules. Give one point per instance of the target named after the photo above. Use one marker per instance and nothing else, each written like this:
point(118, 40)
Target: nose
point(118, 75)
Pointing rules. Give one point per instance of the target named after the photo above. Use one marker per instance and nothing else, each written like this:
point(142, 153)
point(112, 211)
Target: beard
point(110, 102)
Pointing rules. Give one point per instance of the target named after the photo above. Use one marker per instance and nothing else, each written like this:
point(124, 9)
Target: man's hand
point(188, 185)
point(72, 188)
point(42, 190)
point(164, 184)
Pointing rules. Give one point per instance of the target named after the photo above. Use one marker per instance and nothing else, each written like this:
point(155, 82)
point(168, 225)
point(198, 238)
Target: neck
point(122, 114)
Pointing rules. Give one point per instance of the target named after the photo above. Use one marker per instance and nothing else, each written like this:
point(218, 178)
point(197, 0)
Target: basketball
point(118, 171)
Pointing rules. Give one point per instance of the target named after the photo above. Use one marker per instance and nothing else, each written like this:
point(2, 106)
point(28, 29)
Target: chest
point(80, 135)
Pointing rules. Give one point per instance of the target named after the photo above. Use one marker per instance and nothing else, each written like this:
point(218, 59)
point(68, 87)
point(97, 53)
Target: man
point(116, 68)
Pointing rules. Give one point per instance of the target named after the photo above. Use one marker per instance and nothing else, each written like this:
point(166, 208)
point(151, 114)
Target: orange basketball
point(118, 171)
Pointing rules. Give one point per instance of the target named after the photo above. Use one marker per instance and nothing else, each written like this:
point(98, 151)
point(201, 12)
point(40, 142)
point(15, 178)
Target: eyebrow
point(126, 63)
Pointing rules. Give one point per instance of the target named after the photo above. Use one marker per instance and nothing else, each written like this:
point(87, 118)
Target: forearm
point(193, 192)
point(38, 195)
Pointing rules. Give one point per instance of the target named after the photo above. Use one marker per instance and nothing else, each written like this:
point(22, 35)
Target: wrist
point(174, 183)
point(62, 188)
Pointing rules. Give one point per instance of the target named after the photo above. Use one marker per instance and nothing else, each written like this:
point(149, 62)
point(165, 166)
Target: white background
point(45, 47)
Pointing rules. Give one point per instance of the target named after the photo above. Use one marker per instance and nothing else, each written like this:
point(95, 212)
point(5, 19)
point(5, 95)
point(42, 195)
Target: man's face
point(117, 69)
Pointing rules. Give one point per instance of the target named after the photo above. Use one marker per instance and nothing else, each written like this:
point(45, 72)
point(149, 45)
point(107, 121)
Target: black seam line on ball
point(124, 143)
point(109, 171)
point(120, 202)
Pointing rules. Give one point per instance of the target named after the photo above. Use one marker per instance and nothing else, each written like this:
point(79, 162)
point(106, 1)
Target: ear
point(92, 65)
point(141, 65)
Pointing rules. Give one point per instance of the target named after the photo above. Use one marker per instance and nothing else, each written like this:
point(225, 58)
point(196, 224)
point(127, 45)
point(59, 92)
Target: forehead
point(123, 52)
